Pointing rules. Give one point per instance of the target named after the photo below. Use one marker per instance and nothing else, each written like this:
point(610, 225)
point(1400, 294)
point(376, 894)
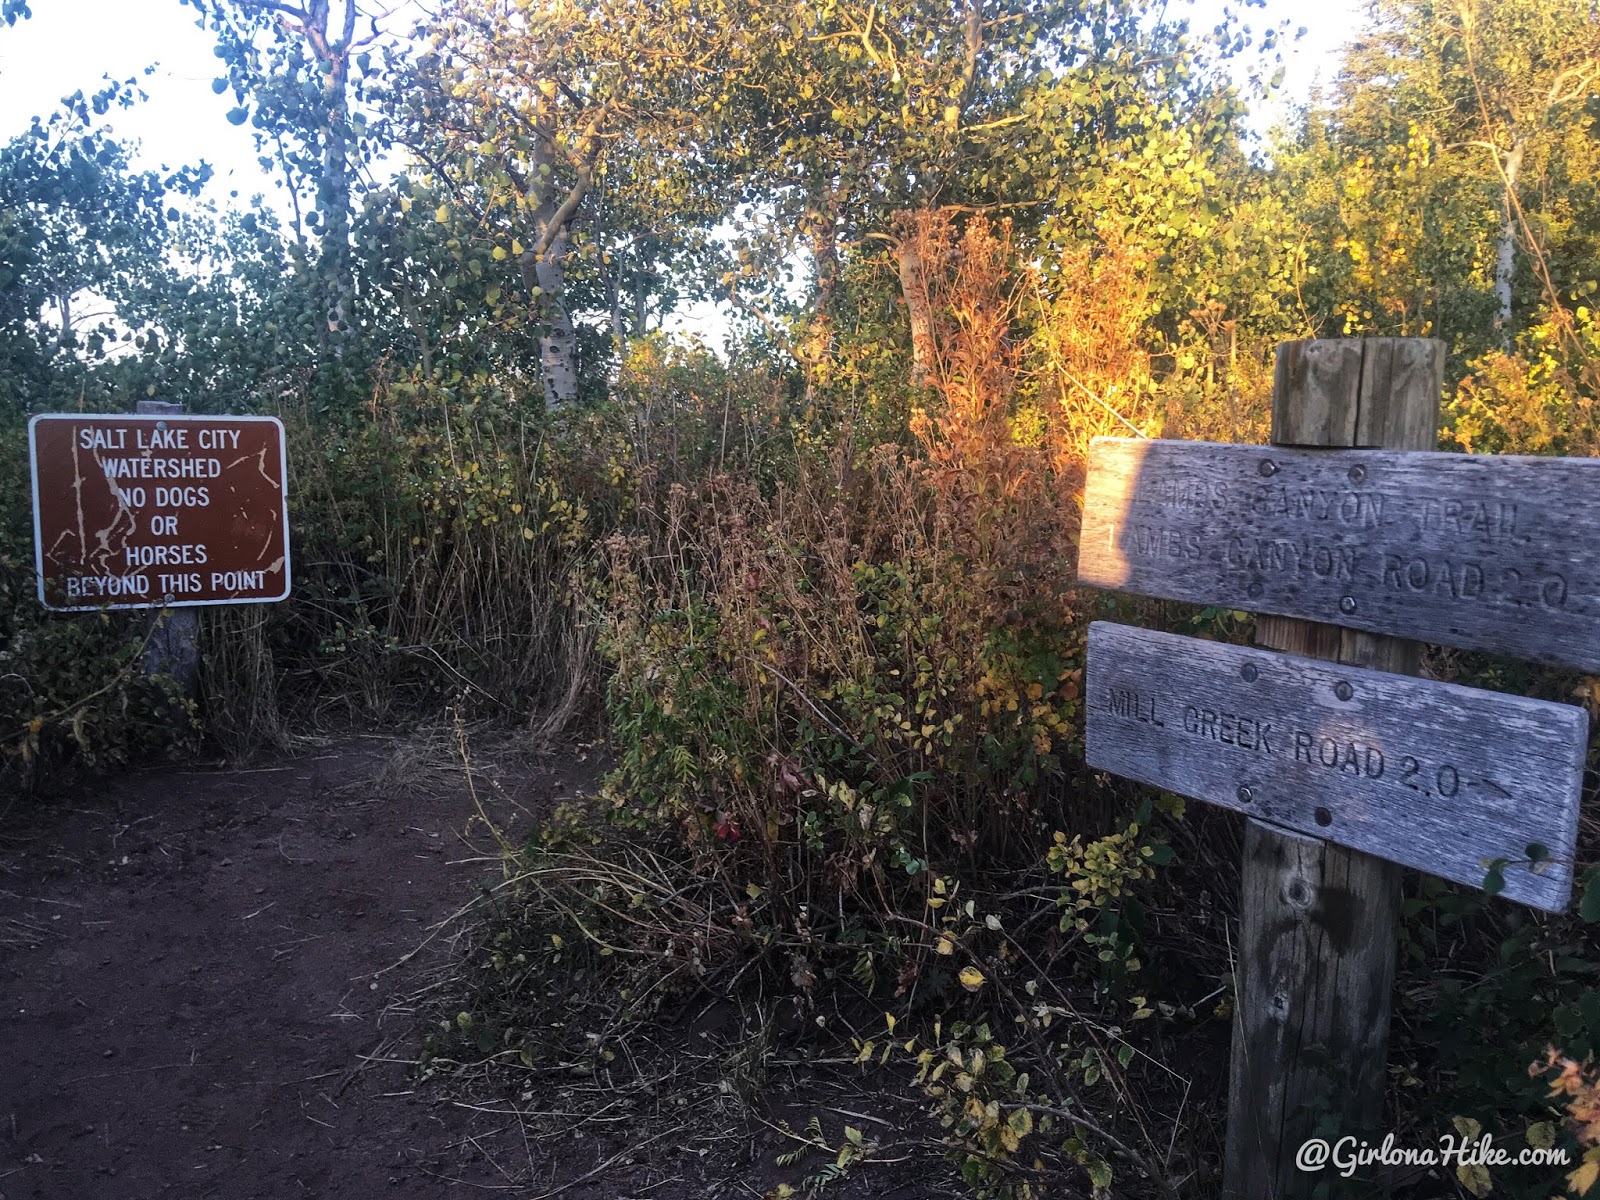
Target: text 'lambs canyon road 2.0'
point(1484, 552)
point(147, 512)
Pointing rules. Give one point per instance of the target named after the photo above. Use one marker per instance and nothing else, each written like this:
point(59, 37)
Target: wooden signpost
point(1347, 768)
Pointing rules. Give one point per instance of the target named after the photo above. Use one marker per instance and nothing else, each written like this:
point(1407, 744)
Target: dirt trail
point(203, 994)
point(187, 964)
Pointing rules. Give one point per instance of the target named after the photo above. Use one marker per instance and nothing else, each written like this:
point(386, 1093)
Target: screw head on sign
point(1343, 690)
point(161, 424)
point(1324, 817)
point(1254, 589)
point(1249, 672)
point(1267, 467)
point(1357, 474)
point(1347, 605)
point(1246, 795)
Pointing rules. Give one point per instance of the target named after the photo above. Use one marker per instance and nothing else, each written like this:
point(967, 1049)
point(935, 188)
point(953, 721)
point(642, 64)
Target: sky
point(73, 44)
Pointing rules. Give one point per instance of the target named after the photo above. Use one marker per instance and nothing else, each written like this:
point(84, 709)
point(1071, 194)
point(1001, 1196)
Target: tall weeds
point(854, 678)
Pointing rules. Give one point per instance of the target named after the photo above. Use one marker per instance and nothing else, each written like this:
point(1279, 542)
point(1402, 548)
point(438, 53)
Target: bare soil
point(211, 986)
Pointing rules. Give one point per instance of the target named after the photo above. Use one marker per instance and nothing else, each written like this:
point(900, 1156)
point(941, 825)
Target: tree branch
point(588, 151)
point(277, 6)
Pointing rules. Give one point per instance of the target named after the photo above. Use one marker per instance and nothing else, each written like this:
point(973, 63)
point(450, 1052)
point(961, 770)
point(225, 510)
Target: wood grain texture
point(1398, 405)
point(1310, 992)
point(1319, 384)
point(1311, 1015)
point(1436, 776)
point(1314, 392)
point(1486, 552)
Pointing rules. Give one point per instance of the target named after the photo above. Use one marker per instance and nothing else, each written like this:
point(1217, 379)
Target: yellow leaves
point(1475, 1178)
point(945, 946)
point(1018, 1125)
point(1586, 1175)
point(971, 978)
point(1575, 1087)
point(500, 254)
point(442, 214)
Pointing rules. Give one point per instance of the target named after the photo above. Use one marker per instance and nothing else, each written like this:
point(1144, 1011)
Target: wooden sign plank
point(1487, 552)
point(1442, 778)
point(156, 511)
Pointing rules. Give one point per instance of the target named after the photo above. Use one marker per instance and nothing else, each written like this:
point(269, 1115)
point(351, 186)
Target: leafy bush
point(72, 692)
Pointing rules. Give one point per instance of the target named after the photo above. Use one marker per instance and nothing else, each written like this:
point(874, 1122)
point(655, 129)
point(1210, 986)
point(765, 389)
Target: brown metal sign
point(150, 512)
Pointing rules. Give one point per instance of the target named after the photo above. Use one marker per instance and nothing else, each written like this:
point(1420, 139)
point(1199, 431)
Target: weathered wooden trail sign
point(1442, 778)
point(158, 511)
point(1479, 551)
point(1347, 768)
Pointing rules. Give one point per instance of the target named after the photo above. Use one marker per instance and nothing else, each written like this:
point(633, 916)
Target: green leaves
point(1494, 880)
point(1589, 907)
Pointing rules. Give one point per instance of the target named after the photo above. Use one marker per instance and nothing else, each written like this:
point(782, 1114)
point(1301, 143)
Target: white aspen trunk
point(914, 287)
point(1505, 261)
point(558, 351)
point(619, 332)
point(333, 57)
